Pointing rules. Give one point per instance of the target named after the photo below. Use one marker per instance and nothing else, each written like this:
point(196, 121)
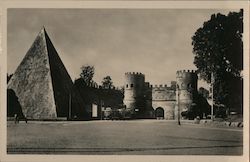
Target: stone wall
point(167, 106)
point(164, 97)
point(163, 93)
point(92, 94)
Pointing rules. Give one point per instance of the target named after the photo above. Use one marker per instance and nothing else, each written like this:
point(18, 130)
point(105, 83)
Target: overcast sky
point(155, 42)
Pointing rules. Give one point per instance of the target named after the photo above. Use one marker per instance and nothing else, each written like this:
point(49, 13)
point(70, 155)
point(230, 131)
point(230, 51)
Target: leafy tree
point(204, 92)
point(218, 50)
point(107, 82)
point(87, 73)
point(122, 90)
point(217, 45)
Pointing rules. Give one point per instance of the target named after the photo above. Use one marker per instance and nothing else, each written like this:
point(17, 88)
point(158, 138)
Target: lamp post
point(212, 91)
point(101, 109)
point(69, 106)
point(178, 104)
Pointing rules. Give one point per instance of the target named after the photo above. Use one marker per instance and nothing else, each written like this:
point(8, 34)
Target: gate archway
point(159, 113)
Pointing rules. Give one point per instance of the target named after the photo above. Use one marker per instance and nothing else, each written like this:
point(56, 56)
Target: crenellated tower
point(186, 88)
point(134, 92)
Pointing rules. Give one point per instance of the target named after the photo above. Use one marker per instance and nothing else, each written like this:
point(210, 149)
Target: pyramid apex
point(43, 30)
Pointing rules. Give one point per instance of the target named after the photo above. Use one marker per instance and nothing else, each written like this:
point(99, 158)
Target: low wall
point(221, 123)
point(22, 119)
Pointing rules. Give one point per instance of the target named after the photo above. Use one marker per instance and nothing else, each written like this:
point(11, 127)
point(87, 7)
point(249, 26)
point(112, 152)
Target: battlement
point(183, 73)
point(162, 86)
point(134, 73)
point(163, 93)
point(186, 71)
point(147, 85)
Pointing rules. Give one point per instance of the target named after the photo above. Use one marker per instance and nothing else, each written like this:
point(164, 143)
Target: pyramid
point(42, 84)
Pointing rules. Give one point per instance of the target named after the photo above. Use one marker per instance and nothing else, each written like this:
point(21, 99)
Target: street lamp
point(178, 103)
point(70, 102)
point(102, 109)
point(212, 91)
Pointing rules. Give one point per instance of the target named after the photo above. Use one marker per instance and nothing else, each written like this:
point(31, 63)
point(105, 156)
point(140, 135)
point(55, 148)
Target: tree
point(218, 50)
point(203, 92)
point(107, 82)
point(87, 73)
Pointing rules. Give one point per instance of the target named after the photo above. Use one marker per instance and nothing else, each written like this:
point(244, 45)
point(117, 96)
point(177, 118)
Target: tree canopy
point(107, 82)
point(218, 50)
point(204, 92)
point(218, 45)
point(87, 73)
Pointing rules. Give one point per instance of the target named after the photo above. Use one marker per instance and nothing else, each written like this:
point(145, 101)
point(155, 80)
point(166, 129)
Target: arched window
point(189, 87)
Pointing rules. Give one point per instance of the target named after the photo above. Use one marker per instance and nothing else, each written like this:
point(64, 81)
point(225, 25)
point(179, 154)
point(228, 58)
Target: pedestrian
point(26, 120)
point(15, 118)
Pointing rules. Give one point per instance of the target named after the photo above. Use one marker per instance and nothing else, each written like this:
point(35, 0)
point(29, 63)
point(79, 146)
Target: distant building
point(98, 100)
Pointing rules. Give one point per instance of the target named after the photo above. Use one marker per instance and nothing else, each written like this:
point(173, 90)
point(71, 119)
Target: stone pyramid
point(43, 86)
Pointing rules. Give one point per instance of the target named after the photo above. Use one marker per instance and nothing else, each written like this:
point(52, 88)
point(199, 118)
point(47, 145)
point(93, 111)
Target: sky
point(155, 42)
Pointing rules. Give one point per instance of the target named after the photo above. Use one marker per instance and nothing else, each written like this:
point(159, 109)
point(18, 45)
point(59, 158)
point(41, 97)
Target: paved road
point(122, 137)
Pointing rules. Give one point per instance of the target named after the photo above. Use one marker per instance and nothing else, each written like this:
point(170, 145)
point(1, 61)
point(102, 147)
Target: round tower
point(186, 89)
point(134, 91)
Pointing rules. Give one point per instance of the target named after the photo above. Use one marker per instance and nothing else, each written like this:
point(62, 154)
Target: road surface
point(138, 137)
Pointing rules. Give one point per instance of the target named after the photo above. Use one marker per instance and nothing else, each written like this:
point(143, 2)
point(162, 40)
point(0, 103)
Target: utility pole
point(212, 91)
point(101, 109)
point(178, 104)
point(69, 105)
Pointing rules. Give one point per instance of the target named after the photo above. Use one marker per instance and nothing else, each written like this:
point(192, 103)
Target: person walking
point(26, 120)
point(15, 118)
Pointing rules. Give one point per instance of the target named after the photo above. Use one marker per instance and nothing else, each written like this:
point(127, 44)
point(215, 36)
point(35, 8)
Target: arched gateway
point(159, 113)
